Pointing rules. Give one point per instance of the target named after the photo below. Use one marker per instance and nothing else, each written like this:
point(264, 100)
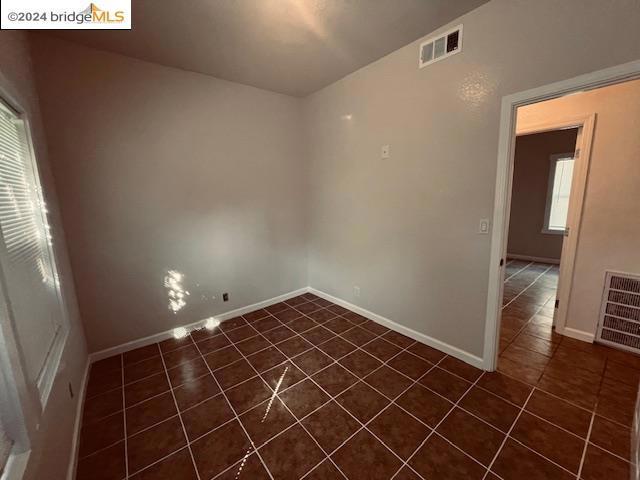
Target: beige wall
point(159, 169)
point(610, 228)
point(405, 229)
point(529, 193)
point(51, 447)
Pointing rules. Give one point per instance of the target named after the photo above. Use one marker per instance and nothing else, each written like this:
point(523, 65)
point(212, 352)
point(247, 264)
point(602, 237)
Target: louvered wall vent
point(440, 47)
point(619, 324)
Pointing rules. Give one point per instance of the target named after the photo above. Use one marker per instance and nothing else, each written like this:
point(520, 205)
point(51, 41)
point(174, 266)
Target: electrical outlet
point(485, 225)
point(356, 292)
point(225, 297)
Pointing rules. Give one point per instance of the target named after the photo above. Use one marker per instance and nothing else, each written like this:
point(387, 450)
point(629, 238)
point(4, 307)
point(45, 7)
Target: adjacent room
point(319, 239)
point(558, 331)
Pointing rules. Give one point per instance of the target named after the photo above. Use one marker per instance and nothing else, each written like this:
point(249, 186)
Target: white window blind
point(26, 257)
point(560, 177)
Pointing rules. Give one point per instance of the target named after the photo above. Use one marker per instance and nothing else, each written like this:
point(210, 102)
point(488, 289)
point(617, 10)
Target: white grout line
point(555, 396)
point(120, 440)
point(184, 430)
point(258, 333)
point(332, 398)
point(507, 436)
point(528, 412)
point(364, 426)
point(392, 401)
point(233, 410)
point(334, 361)
point(152, 397)
point(389, 405)
point(295, 423)
point(433, 430)
point(524, 326)
point(626, 460)
point(586, 444)
point(527, 287)
point(271, 345)
point(289, 410)
point(519, 271)
point(273, 396)
point(573, 474)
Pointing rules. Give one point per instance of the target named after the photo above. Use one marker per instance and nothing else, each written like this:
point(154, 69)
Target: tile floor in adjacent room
point(574, 380)
point(308, 389)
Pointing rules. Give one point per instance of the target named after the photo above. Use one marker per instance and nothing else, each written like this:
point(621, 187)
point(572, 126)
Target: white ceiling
point(290, 46)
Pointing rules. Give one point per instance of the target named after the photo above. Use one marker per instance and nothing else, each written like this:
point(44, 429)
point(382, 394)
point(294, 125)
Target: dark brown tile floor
point(308, 389)
point(582, 390)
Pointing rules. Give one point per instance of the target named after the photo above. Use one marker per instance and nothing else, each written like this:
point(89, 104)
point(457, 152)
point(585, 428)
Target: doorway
point(577, 387)
point(549, 173)
point(544, 162)
point(548, 182)
point(514, 106)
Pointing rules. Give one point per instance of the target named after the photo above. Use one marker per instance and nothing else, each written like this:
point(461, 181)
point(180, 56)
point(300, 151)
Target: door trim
point(504, 173)
point(586, 124)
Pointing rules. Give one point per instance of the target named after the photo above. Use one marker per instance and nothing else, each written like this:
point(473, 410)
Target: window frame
point(23, 400)
point(553, 160)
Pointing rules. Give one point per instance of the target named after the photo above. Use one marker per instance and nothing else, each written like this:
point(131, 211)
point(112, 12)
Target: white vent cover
point(619, 323)
point(440, 47)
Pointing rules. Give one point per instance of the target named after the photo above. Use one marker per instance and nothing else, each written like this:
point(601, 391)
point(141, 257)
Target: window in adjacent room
point(559, 190)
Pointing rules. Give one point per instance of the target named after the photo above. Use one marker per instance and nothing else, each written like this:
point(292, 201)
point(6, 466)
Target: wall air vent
point(619, 324)
point(440, 47)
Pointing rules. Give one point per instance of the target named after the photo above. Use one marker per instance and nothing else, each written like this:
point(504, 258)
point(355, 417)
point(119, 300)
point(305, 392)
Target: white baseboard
point(577, 334)
point(530, 258)
point(158, 337)
point(75, 443)
point(420, 337)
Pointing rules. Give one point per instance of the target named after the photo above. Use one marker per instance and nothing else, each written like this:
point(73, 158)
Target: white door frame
point(586, 125)
point(504, 176)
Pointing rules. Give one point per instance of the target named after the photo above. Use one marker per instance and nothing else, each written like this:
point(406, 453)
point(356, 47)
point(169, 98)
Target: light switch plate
point(483, 228)
point(385, 151)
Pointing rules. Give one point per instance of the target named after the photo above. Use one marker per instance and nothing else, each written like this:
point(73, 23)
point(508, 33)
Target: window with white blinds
point(559, 190)
point(26, 257)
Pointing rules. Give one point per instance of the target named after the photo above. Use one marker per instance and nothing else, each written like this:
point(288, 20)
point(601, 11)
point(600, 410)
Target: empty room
point(319, 239)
